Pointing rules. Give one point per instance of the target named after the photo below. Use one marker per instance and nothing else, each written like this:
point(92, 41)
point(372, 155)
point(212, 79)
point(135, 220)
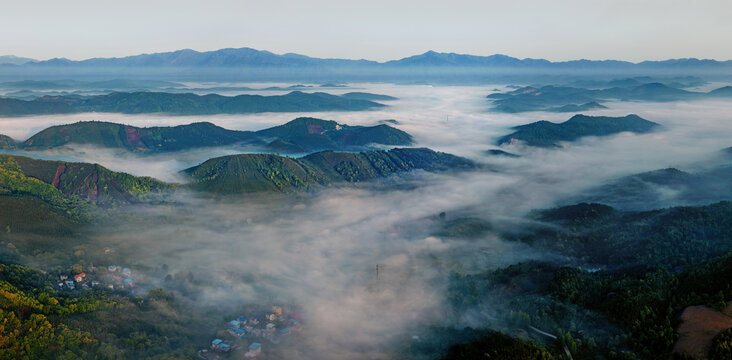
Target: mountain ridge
point(251, 57)
point(296, 136)
point(144, 102)
point(548, 134)
point(59, 182)
point(251, 173)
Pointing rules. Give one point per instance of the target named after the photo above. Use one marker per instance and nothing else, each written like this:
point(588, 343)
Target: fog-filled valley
point(576, 248)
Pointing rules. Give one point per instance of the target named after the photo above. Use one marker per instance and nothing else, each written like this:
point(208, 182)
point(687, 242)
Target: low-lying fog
point(320, 251)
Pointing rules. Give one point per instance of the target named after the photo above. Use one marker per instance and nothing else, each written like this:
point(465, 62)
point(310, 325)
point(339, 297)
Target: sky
point(376, 30)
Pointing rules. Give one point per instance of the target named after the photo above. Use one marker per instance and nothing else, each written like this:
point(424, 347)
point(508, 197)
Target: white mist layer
point(321, 252)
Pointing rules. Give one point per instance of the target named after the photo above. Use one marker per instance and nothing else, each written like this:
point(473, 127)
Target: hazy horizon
point(379, 31)
point(368, 59)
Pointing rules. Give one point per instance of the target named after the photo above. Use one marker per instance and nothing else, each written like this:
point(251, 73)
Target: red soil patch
point(315, 129)
point(89, 188)
point(57, 178)
point(699, 325)
point(133, 138)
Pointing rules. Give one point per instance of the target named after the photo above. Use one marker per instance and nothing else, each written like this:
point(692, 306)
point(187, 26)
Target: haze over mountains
point(251, 57)
point(430, 66)
point(14, 60)
point(431, 228)
point(570, 99)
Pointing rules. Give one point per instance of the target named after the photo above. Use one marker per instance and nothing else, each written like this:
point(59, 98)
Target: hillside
point(601, 235)
point(548, 134)
point(13, 107)
point(6, 141)
point(183, 104)
point(297, 136)
point(60, 183)
point(725, 91)
point(249, 173)
point(112, 135)
point(623, 280)
point(664, 187)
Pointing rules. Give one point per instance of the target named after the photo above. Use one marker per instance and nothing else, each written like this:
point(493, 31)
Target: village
point(112, 277)
point(244, 336)
point(248, 334)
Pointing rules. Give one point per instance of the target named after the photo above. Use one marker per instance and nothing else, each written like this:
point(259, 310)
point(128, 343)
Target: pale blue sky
point(372, 29)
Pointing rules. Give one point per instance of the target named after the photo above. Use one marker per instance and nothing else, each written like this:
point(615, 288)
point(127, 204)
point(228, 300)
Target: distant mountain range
point(70, 84)
point(250, 173)
point(297, 136)
point(15, 60)
point(250, 65)
point(187, 104)
point(549, 134)
point(259, 58)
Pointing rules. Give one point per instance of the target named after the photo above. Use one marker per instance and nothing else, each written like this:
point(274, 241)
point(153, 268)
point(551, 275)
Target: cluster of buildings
point(114, 278)
point(253, 330)
point(82, 280)
point(120, 276)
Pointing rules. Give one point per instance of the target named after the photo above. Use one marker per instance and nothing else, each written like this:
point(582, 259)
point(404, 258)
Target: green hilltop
point(249, 173)
point(156, 139)
point(62, 184)
point(6, 141)
point(549, 134)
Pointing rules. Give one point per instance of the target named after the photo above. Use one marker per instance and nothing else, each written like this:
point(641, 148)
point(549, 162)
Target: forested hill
point(601, 235)
point(156, 139)
point(620, 283)
point(249, 173)
point(297, 136)
point(664, 187)
point(184, 104)
point(549, 134)
point(6, 141)
point(59, 183)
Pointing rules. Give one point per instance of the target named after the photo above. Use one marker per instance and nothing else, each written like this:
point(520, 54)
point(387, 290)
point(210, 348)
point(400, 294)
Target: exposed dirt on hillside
point(699, 325)
point(133, 138)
